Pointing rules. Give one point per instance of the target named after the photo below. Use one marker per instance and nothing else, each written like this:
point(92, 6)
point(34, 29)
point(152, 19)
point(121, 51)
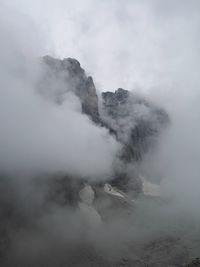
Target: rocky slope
point(61, 220)
point(61, 76)
point(133, 121)
point(130, 117)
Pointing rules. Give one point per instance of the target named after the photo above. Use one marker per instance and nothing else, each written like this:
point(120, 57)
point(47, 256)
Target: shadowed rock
point(62, 76)
point(132, 120)
point(135, 122)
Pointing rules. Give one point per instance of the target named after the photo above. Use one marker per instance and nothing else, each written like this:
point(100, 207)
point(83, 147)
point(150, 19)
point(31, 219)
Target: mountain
point(135, 121)
point(57, 219)
point(130, 118)
point(61, 76)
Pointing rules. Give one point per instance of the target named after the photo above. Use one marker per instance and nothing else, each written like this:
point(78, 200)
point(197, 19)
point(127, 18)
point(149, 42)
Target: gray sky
point(132, 44)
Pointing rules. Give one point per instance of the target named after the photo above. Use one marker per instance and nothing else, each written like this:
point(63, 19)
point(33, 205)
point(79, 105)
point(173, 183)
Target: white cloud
point(36, 134)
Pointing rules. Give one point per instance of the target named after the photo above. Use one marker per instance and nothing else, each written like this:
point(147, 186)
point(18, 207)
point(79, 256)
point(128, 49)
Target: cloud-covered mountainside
point(71, 192)
point(130, 119)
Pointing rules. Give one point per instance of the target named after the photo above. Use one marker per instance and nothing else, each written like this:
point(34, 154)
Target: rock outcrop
point(62, 76)
point(133, 121)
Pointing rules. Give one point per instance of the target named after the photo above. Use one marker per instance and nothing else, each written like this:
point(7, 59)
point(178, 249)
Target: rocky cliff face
point(30, 223)
point(62, 76)
point(133, 121)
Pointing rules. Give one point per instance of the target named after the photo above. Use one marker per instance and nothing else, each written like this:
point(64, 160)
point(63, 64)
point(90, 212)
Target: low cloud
point(38, 134)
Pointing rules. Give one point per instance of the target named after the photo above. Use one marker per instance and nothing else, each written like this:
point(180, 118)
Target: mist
point(37, 134)
point(148, 47)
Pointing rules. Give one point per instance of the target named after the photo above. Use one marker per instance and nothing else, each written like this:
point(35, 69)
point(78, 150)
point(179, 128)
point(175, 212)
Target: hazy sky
point(132, 43)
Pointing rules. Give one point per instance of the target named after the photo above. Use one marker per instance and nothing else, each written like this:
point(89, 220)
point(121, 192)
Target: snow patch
point(110, 190)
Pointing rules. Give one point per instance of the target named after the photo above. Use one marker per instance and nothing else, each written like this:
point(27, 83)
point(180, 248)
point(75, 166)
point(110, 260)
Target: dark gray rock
point(194, 263)
point(62, 76)
point(135, 122)
point(132, 120)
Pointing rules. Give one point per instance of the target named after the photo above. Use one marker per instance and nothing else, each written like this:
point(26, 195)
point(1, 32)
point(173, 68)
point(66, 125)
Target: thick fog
point(151, 47)
point(35, 133)
point(144, 46)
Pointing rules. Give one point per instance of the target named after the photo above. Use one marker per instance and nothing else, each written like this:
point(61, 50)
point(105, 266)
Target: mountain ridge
point(131, 119)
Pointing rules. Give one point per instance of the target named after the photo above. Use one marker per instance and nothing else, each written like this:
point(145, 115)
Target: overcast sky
point(131, 43)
